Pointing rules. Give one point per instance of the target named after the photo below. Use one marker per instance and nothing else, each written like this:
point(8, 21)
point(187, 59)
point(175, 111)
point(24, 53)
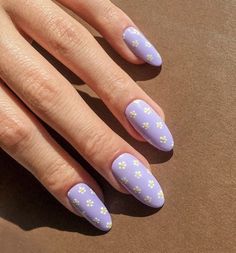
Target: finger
point(22, 137)
point(26, 36)
point(75, 47)
point(52, 98)
point(118, 29)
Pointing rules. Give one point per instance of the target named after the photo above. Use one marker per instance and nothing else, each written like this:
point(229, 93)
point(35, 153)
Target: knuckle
point(55, 175)
point(97, 143)
point(64, 35)
point(111, 13)
point(40, 91)
point(117, 83)
point(14, 134)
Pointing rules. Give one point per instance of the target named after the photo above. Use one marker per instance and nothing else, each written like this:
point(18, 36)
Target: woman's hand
point(32, 84)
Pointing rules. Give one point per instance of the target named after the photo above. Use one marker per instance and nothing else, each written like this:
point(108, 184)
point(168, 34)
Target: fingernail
point(141, 47)
point(138, 180)
point(149, 124)
point(86, 202)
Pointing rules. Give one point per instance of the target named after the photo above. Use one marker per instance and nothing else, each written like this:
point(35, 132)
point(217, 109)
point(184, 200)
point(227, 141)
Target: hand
point(30, 83)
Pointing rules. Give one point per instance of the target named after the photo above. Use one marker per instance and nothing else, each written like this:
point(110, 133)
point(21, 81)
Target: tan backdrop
point(195, 88)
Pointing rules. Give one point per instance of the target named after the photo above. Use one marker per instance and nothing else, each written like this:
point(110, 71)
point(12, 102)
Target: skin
point(30, 83)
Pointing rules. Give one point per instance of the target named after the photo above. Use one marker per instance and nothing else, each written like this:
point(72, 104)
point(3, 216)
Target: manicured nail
point(149, 124)
point(86, 202)
point(141, 47)
point(138, 180)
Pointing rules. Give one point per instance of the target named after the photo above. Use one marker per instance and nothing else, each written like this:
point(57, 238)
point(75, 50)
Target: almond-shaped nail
point(138, 180)
point(149, 124)
point(141, 46)
point(86, 202)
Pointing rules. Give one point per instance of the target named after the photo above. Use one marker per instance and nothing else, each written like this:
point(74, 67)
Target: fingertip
point(86, 203)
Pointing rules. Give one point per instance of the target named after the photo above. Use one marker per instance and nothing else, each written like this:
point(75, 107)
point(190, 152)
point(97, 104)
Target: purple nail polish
point(86, 202)
point(141, 47)
point(138, 180)
point(149, 124)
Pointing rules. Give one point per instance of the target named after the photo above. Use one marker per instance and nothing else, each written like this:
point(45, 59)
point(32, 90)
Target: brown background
point(195, 88)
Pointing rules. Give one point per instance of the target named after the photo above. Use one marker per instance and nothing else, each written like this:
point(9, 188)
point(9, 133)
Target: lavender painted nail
point(138, 180)
point(149, 124)
point(141, 47)
point(87, 203)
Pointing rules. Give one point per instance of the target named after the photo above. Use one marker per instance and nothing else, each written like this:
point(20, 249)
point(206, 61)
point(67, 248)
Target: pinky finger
point(24, 138)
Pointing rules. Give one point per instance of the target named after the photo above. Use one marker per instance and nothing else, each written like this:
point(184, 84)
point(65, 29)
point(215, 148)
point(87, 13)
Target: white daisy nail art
point(122, 165)
point(137, 189)
point(138, 174)
point(135, 43)
point(124, 180)
point(109, 225)
point(136, 162)
point(86, 203)
point(82, 190)
point(133, 114)
point(147, 110)
point(149, 57)
point(163, 139)
point(159, 125)
point(75, 202)
point(89, 203)
point(160, 195)
point(96, 220)
point(148, 199)
point(145, 125)
point(151, 183)
point(103, 210)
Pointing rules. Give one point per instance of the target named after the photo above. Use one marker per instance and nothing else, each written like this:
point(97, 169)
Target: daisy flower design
point(148, 199)
point(160, 194)
point(75, 202)
point(145, 125)
point(103, 210)
point(163, 139)
point(109, 224)
point(124, 180)
point(147, 110)
point(149, 57)
point(159, 125)
point(122, 165)
point(151, 183)
point(82, 190)
point(96, 220)
point(137, 189)
point(133, 114)
point(135, 43)
point(135, 162)
point(138, 174)
point(89, 203)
